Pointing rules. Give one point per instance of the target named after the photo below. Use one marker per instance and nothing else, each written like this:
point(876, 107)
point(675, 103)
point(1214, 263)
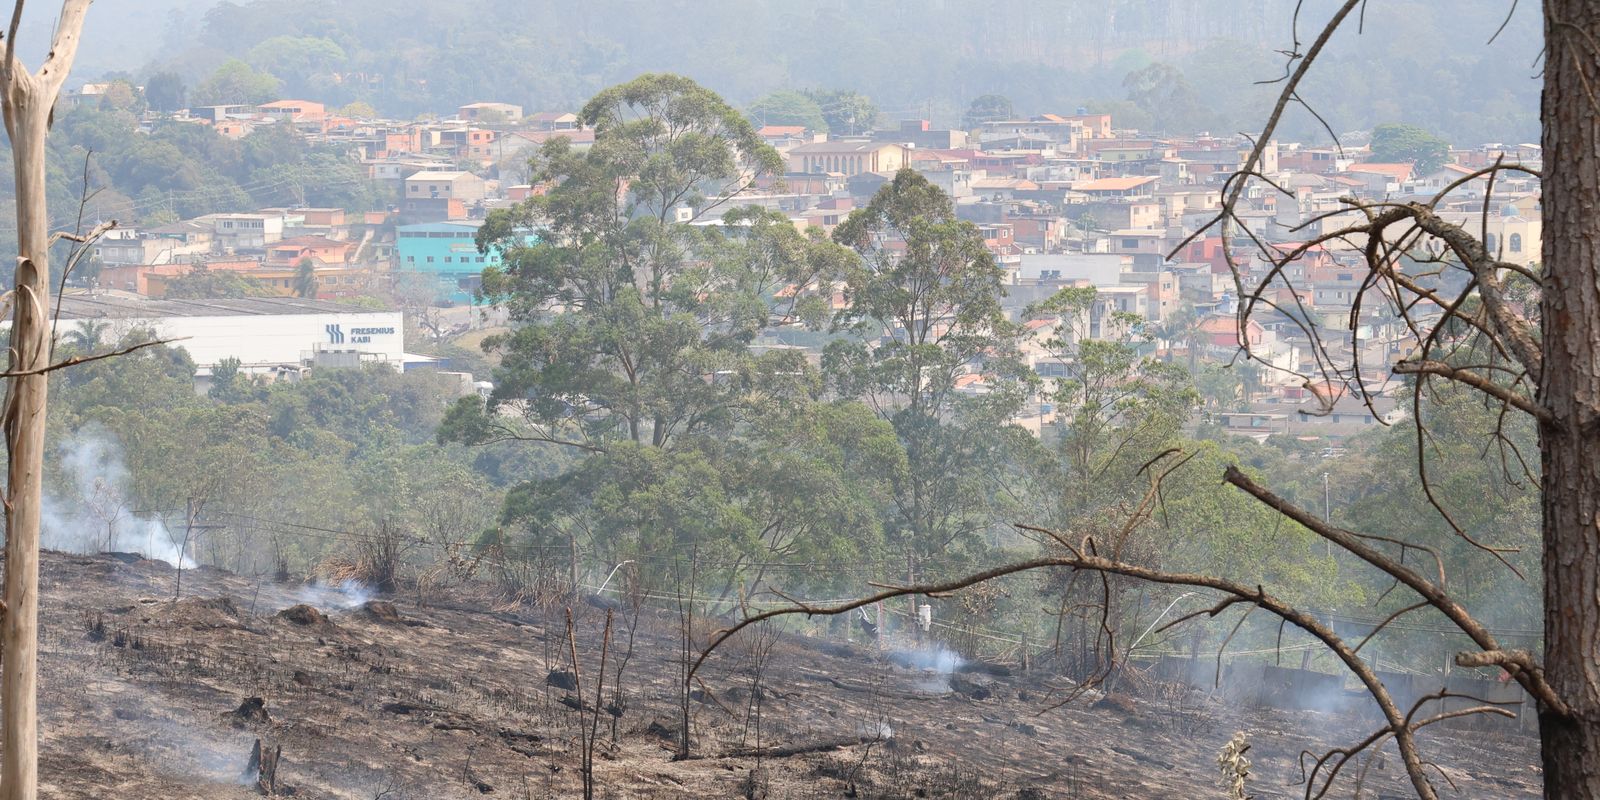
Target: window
point(430, 259)
point(1516, 242)
point(1489, 243)
point(447, 259)
point(1130, 243)
point(411, 259)
point(480, 259)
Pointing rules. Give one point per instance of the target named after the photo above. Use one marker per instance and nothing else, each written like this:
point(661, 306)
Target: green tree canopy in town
point(788, 107)
point(236, 82)
point(166, 92)
point(1396, 142)
point(987, 108)
point(847, 112)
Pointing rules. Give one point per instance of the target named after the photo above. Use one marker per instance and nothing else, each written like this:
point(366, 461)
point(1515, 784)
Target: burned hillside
point(362, 697)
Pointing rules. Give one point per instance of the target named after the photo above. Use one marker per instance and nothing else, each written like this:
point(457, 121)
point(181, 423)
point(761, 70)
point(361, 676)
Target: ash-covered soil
point(143, 697)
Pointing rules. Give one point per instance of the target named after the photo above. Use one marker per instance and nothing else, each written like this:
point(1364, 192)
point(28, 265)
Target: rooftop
point(108, 306)
point(311, 241)
point(438, 175)
point(840, 147)
point(781, 130)
point(1396, 171)
point(1113, 184)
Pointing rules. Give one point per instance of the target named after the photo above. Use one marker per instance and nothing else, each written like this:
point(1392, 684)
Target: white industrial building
point(266, 334)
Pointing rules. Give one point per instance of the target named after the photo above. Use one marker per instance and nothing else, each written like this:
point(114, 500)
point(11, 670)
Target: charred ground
point(144, 697)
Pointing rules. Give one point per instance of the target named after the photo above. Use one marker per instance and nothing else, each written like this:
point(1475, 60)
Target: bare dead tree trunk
point(28, 99)
point(1570, 390)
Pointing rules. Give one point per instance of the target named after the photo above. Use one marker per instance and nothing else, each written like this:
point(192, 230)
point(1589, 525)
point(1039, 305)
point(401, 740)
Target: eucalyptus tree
point(932, 352)
point(1117, 406)
point(637, 283)
point(625, 299)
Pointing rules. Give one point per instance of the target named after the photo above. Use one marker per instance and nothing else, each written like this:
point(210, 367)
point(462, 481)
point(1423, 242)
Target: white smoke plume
point(936, 661)
point(93, 511)
point(348, 594)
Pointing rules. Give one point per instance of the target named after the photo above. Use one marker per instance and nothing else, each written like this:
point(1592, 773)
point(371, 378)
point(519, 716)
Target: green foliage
point(202, 283)
point(166, 92)
point(936, 300)
point(236, 82)
point(923, 306)
point(296, 59)
point(1393, 143)
point(120, 95)
point(231, 385)
point(302, 469)
point(179, 170)
point(305, 279)
point(1478, 469)
point(691, 440)
point(657, 306)
point(787, 107)
point(1118, 408)
point(987, 108)
point(847, 112)
point(1165, 96)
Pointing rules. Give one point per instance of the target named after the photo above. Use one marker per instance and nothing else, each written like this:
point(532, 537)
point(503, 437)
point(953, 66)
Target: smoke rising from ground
point(91, 509)
point(347, 595)
point(938, 660)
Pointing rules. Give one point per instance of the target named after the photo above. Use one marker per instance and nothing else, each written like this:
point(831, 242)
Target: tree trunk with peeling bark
point(26, 100)
point(1570, 389)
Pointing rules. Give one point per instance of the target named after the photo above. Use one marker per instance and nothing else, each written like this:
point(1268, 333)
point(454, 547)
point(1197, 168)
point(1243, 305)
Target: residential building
point(447, 252)
point(848, 158)
point(1136, 187)
point(920, 134)
point(490, 112)
point(293, 111)
point(432, 196)
point(317, 248)
point(554, 121)
point(249, 231)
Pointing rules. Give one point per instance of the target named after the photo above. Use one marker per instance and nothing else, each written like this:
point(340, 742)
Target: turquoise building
point(446, 251)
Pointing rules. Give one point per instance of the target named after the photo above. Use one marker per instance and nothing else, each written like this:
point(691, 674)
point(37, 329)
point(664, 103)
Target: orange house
point(317, 248)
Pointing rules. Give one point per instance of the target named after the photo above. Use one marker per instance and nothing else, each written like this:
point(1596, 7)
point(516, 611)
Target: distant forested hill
point(1419, 61)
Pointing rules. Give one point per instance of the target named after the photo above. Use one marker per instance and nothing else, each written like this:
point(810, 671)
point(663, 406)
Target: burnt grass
point(143, 697)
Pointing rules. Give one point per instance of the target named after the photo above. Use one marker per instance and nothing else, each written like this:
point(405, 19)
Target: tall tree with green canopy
point(923, 303)
point(987, 108)
point(1118, 407)
point(296, 59)
point(236, 82)
point(1161, 91)
point(1396, 142)
point(633, 325)
point(165, 91)
point(788, 107)
point(848, 113)
point(651, 303)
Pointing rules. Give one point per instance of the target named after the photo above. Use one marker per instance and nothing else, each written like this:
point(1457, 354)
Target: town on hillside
point(1079, 399)
point(1061, 200)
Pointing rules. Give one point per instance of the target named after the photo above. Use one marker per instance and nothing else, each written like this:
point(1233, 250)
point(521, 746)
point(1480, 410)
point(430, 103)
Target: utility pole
point(1327, 510)
point(911, 580)
point(188, 530)
point(190, 525)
